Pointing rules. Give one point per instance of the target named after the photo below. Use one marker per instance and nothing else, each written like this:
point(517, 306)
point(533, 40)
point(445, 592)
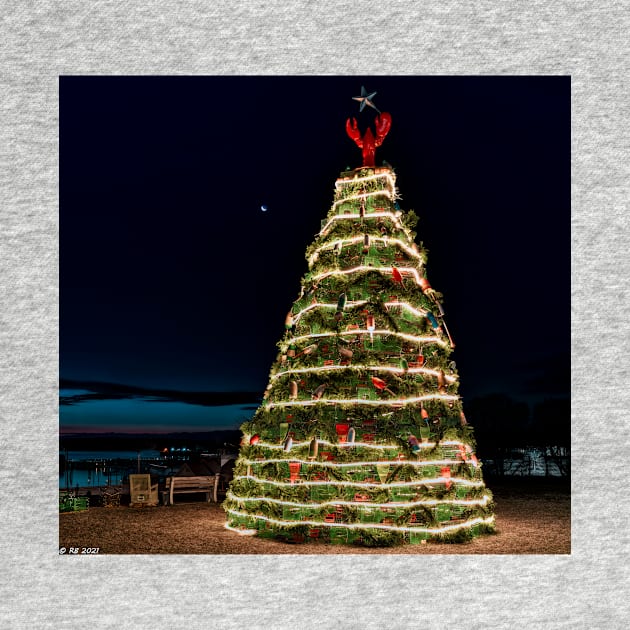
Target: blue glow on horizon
point(130, 415)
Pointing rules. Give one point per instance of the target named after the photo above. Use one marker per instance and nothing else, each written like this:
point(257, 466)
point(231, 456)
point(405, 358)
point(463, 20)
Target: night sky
point(173, 280)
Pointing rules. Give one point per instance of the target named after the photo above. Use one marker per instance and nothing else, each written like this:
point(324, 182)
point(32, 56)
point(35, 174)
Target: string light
point(364, 484)
point(373, 193)
point(350, 304)
point(313, 305)
point(372, 215)
point(364, 505)
point(391, 528)
point(358, 368)
point(378, 447)
point(356, 180)
point(345, 333)
point(359, 464)
point(383, 270)
point(362, 401)
point(407, 307)
point(242, 532)
point(356, 239)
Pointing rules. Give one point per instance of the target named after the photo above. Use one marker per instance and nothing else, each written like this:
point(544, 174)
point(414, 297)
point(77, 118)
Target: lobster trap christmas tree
point(361, 436)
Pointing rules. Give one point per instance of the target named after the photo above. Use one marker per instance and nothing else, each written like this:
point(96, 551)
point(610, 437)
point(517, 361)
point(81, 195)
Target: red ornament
point(254, 439)
point(424, 285)
point(342, 432)
point(294, 471)
point(369, 323)
point(396, 275)
point(446, 473)
point(379, 383)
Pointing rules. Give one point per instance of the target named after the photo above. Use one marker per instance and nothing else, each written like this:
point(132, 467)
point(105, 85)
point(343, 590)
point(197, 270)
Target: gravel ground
point(531, 519)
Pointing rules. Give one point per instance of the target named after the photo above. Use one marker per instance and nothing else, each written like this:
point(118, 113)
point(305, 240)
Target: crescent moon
point(263, 208)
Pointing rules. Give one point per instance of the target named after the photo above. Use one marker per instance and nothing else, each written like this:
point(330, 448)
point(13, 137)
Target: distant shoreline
point(228, 438)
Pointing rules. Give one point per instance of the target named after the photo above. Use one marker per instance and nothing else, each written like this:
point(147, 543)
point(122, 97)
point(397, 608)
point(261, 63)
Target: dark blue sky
point(172, 278)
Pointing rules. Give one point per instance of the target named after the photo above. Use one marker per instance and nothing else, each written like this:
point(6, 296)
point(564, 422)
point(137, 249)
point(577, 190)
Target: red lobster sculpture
point(368, 142)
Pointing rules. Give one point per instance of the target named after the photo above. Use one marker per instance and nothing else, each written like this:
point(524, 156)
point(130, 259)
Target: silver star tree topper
point(366, 99)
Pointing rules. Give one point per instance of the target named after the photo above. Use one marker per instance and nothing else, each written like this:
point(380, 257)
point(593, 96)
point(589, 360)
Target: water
point(105, 455)
point(103, 471)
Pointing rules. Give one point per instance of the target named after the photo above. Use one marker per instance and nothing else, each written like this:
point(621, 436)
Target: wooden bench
point(191, 485)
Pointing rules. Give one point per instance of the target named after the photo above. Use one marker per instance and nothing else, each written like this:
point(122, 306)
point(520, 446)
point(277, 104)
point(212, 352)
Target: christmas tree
point(361, 436)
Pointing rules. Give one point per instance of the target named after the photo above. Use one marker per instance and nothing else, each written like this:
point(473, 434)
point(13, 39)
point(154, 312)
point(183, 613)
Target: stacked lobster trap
point(361, 436)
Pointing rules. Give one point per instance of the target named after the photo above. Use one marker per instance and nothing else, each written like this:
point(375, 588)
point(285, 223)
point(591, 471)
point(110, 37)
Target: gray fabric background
point(41, 40)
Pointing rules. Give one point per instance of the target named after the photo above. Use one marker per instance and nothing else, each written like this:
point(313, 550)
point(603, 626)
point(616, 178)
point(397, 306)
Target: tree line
point(508, 432)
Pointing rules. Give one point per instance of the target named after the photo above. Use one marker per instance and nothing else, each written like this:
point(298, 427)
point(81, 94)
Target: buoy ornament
point(342, 432)
point(414, 444)
point(434, 322)
point(445, 472)
point(294, 471)
point(313, 448)
point(441, 382)
point(379, 383)
point(346, 353)
point(371, 326)
point(293, 390)
point(308, 350)
point(341, 302)
point(319, 392)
